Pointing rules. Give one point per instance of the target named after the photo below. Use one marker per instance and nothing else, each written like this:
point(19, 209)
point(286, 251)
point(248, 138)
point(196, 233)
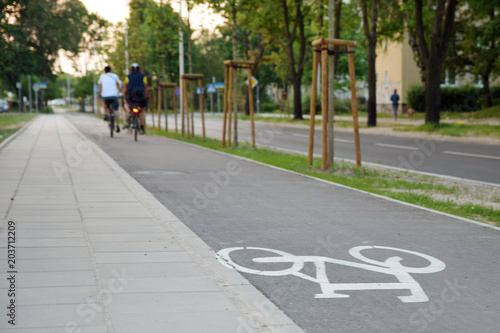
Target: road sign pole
point(258, 99)
point(19, 86)
point(218, 101)
point(212, 102)
point(29, 90)
point(36, 99)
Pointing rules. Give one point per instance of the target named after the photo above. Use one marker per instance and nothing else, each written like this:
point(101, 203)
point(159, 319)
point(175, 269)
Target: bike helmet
point(135, 67)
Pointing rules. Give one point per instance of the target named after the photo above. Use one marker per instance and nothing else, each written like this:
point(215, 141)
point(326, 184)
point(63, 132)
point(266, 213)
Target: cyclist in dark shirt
point(136, 92)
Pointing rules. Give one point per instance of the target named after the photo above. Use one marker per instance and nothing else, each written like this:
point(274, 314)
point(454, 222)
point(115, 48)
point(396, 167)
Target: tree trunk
point(235, 83)
point(486, 90)
point(297, 97)
point(370, 29)
point(433, 51)
point(372, 83)
point(334, 8)
point(163, 70)
point(433, 91)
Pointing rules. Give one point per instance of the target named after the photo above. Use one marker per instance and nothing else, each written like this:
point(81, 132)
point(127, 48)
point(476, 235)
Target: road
point(344, 265)
point(479, 162)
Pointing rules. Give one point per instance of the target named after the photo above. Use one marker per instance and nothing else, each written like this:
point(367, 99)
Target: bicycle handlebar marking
point(391, 266)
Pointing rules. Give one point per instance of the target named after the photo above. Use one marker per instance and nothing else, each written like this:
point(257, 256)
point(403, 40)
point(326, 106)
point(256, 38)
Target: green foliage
point(416, 98)
point(455, 99)
point(47, 110)
point(269, 107)
point(84, 86)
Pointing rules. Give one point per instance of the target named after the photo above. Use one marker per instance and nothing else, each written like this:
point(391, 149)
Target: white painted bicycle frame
point(391, 266)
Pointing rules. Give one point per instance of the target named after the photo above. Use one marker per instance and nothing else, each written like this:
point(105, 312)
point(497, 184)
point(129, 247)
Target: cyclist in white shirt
point(109, 86)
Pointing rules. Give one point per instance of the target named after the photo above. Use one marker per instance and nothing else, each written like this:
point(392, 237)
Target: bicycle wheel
point(248, 261)
point(434, 265)
point(111, 123)
point(136, 126)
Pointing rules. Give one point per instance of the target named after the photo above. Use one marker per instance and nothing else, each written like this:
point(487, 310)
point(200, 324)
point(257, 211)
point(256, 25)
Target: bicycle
point(133, 121)
point(111, 118)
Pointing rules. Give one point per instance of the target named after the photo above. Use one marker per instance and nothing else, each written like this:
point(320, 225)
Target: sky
point(116, 11)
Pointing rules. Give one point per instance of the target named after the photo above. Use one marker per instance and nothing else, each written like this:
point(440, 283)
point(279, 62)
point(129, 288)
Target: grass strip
point(11, 123)
point(457, 129)
point(401, 185)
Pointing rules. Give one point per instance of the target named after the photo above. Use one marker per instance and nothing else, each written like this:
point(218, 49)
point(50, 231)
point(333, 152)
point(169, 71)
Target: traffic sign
point(254, 82)
point(18, 85)
point(219, 85)
point(38, 86)
point(211, 88)
point(177, 92)
point(198, 90)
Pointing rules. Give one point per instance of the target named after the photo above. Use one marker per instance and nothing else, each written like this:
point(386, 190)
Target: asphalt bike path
point(332, 258)
point(85, 248)
point(449, 156)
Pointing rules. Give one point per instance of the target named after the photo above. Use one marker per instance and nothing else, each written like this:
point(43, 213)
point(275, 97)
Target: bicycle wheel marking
point(391, 266)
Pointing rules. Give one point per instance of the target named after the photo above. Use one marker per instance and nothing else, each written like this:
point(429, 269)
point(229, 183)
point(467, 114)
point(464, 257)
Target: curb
point(350, 188)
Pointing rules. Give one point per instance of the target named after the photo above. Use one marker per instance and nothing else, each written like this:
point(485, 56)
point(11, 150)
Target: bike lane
point(333, 259)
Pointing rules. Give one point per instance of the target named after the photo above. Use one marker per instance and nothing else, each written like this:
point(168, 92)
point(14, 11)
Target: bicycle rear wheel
point(111, 123)
point(136, 126)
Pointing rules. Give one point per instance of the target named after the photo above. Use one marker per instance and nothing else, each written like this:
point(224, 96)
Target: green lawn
point(10, 123)
point(400, 185)
point(456, 129)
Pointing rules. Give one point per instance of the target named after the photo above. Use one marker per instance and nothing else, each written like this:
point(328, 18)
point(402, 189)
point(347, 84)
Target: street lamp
point(181, 58)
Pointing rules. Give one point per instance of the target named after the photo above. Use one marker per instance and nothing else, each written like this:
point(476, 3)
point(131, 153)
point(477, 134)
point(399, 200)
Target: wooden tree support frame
point(321, 47)
point(185, 111)
point(228, 98)
point(166, 86)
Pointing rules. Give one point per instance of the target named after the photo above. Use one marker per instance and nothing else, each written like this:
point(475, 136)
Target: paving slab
point(96, 252)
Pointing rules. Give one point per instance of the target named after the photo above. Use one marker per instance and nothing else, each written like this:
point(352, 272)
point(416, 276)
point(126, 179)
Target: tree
point(387, 27)
point(286, 24)
point(52, 26)
point(432, 49)
point(477, 42)
point(160, 33)
point(136, 42)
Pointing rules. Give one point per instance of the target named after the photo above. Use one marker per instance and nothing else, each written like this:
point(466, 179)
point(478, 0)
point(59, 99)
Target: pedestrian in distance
point(109, 86)
point(395, 104)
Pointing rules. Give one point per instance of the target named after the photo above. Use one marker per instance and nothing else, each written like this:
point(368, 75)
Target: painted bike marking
point(390, 266)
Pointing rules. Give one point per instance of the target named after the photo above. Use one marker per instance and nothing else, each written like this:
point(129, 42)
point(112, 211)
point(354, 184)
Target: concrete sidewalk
point(96, 252)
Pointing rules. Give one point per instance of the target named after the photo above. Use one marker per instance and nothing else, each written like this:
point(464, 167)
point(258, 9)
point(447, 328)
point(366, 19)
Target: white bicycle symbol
point(390, 266)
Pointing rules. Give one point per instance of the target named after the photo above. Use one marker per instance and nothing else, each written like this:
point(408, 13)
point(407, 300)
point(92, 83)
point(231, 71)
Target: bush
point(454, 99)
point(47, 109)
point(416, 98)
point(342, 106)
point(269, 107)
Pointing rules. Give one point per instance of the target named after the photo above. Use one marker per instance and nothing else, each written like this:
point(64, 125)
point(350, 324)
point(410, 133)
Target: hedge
point(460, 99)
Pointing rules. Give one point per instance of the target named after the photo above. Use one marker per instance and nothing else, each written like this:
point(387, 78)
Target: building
point(396, 69)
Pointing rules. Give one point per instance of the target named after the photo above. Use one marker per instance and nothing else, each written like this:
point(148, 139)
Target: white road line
point(343, 140)
point(395, 146)
point(472, 155)
point(301, 135)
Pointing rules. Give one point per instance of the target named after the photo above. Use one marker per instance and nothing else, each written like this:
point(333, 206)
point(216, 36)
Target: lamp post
point(181, 59)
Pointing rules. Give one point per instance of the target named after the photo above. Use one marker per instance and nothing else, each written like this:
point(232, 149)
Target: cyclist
point(136, 92)
point(109, 86)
